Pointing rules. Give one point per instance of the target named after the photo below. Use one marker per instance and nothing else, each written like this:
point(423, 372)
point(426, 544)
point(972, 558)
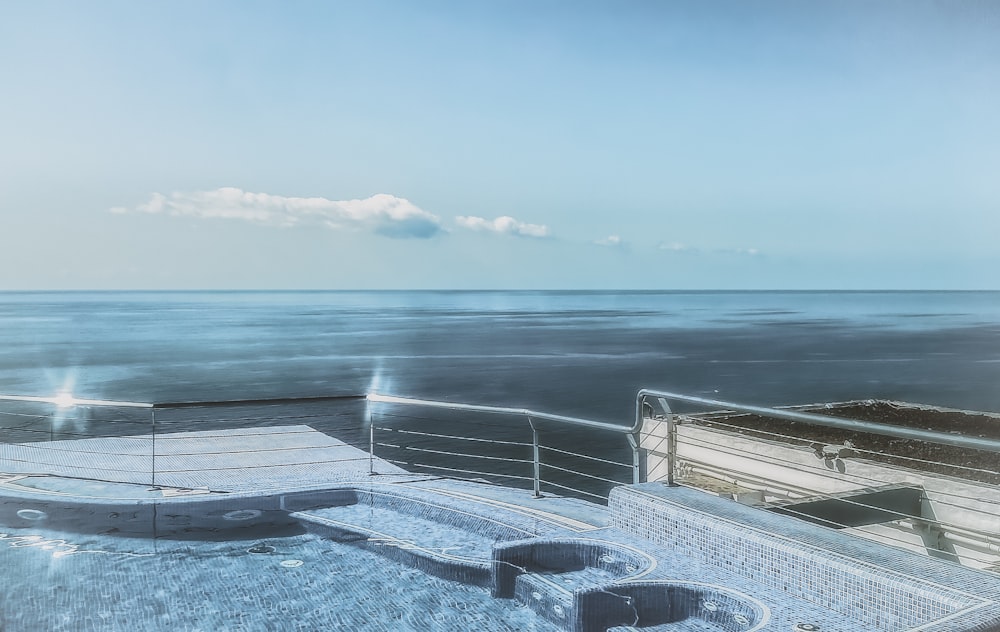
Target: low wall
point(884, 588)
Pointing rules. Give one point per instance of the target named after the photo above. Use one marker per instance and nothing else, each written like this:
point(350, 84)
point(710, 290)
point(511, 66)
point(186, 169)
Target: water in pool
point(77, 582)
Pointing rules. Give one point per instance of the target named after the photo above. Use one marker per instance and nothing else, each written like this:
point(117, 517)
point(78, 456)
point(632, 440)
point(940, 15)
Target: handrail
point(844, 423)
point(257, 402)
point(534, 414)
point(67, 401)
point(630, 432)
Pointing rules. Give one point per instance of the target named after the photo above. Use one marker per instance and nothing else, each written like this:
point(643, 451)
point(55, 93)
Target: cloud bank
point(383, 214)
point(504, 225)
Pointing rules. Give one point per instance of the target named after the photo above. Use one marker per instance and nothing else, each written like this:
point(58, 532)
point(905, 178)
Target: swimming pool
point(427, 555)
point(76, 582)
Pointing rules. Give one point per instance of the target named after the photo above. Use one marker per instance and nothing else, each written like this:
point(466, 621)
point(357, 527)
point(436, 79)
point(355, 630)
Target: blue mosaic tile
point(883, 588)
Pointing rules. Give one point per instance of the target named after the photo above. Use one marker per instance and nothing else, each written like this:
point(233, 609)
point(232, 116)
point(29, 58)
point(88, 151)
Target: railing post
point(371, 441)
point(637, 474)
point(536, 460)
point(152, 417)
point(671, 441)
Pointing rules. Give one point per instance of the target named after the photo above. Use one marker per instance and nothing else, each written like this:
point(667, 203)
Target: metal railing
point(663, 398)
point(535, 420)
point(951, 508)
point(730, 445)
point(646, 401)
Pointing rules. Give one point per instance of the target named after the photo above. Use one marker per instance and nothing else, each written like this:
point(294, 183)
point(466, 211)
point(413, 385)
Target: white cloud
point(610, 240)
point(673, 247)
point(749, 252)
point(382, 213)
point(504, 225)
point(679, 247)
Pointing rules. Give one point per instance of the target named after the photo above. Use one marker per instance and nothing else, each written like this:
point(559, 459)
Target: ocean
point(581, 354)
point(575, 353)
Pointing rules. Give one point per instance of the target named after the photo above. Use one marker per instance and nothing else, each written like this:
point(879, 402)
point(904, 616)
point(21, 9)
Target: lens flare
point(64, 400)
point(375, 386)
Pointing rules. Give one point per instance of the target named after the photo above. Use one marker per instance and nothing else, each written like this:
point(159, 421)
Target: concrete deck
point(248, 459)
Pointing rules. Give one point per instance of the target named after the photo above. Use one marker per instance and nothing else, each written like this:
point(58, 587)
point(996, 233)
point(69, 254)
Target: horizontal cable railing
point(738, 446)
point(830, 468)
point(473, 448)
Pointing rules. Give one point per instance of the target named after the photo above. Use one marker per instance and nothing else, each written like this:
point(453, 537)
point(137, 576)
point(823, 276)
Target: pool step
point(547, 596)
point(433, 547)
point(552, 594)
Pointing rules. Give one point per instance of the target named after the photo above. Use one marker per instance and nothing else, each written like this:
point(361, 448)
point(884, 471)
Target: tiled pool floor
point(115, 584)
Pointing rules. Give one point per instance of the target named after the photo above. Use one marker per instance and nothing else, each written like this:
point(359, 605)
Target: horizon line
point(479, 290)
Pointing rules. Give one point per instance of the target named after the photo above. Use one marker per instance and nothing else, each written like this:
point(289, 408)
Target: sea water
point(577, 353)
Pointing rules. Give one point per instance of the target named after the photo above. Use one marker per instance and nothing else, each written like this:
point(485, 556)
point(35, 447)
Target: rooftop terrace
point(657, 555)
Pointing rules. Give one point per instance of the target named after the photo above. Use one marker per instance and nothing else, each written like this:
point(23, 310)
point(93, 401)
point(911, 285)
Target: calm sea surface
point(577, 353)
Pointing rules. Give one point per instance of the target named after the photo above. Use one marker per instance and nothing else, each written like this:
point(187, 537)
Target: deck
point(250, 459)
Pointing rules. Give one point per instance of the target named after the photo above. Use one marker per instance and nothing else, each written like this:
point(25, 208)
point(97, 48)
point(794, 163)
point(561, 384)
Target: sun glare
point(64, 400)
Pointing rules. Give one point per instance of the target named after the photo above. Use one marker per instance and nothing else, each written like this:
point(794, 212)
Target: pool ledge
point(880, 587)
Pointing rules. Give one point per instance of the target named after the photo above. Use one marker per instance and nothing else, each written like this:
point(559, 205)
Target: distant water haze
point(577, 353)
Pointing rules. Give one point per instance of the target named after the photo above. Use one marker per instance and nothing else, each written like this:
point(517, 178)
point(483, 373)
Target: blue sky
point(343, 145)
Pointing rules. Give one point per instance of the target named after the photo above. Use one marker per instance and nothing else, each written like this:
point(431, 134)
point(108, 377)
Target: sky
point(499, 145)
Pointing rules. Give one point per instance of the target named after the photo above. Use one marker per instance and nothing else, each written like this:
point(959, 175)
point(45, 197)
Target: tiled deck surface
point(879, 587)
point(249, 459)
